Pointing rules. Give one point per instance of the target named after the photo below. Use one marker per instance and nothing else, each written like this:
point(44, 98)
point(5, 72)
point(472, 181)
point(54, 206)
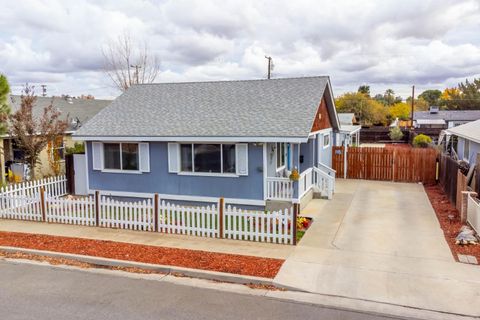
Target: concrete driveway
point(381, 241)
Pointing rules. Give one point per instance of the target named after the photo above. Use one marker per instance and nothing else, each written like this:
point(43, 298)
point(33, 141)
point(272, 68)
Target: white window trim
point(209, 174)
point(122, 171)
point(329, 141)
point(53, 148)
point(107, 170)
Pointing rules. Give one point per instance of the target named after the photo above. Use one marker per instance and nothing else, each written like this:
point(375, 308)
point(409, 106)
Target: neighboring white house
point(468, 140)
point(349, 134)
point(444, 119)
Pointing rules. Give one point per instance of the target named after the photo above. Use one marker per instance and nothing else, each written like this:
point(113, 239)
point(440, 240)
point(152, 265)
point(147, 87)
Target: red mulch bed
point(443, 208)
point(238, 264)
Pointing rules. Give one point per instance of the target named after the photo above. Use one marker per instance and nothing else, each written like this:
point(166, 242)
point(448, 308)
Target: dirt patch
point(443, 208)
point(221, 262)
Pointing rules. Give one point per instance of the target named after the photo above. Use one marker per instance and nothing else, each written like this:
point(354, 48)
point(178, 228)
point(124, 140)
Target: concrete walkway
point(381, 241)
point(267, 250)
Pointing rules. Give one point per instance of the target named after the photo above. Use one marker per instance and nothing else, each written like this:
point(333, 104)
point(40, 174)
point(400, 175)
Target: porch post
point(295, 149)
point(2, 162)
point(265, 171)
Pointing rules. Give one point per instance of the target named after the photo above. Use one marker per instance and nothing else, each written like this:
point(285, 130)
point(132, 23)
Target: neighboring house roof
point(470, 131)
point(280, 108)
point(430, 121)
point(346, 118)
point(349, 129)
point(78, 111)
point(448, 115)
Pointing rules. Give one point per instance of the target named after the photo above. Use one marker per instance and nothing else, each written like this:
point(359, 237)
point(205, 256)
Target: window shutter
point(97, 155)
point(241, 159)
point(144, 156)
point(173, 157)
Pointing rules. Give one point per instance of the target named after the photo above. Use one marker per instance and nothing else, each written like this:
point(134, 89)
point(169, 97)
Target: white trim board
point(192, 139)
point(176, 197)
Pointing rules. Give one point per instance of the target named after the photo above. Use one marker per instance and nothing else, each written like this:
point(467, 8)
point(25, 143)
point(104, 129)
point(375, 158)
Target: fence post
point(221, 205)
point(155, 212)
point(296, 211)
point(42, 204)
point(97, 208)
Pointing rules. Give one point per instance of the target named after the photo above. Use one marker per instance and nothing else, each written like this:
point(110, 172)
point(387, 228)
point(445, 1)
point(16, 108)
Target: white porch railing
point(324, 182)
point(320, 179)
point(279, 189)
point(332, 173)
point(305, 183)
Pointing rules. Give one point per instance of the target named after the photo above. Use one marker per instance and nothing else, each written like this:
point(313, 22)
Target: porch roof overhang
point(349, 129)
point(191, 139)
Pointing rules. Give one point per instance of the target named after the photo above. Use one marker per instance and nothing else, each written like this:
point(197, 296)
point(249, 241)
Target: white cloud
point(385, 43)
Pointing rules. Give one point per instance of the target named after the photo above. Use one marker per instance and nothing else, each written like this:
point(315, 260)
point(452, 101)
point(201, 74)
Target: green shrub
point(395, 133)
point(421, 141)
point(77, 148)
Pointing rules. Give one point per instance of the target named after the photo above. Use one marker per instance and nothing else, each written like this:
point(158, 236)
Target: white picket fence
point(203, 221)
point(259, 226)
point(54, 186)
point(126, 215)
point(20, 207)
point(473, 213)
point(197, 221)
point(79, 211)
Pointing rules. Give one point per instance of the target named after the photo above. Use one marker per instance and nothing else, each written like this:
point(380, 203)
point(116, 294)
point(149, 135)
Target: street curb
point(189, 272)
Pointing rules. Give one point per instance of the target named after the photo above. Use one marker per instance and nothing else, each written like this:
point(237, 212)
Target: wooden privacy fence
point(390, 164)
point(215, 221)
point(447, 177)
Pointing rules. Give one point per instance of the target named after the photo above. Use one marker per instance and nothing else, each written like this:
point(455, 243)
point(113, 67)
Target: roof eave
point(294, 139)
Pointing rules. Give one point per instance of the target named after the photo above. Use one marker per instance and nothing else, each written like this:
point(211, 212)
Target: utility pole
point(136, 66)
point(269, 66)
point(44, 90)
point(413, 104)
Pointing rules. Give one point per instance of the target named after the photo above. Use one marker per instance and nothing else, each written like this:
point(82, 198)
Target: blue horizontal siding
point(159, 180)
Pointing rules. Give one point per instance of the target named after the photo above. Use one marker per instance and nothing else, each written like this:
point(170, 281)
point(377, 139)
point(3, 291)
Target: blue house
point(468, 140)
point(198, 141)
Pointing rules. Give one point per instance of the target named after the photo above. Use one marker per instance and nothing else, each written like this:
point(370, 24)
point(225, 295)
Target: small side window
point(326, 140)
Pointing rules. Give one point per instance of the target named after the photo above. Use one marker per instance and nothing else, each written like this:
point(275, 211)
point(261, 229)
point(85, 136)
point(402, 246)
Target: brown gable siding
point(322, 119)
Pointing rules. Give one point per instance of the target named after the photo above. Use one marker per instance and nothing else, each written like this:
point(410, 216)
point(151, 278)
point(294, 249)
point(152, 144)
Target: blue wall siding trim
point(159, 180)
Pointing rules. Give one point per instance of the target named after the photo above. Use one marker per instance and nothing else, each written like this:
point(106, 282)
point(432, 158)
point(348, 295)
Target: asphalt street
point(43, 292)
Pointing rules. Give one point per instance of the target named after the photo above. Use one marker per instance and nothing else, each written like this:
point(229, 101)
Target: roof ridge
point(237, 80)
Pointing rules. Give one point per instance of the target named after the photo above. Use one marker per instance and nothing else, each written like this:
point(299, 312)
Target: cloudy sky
point(383, 43)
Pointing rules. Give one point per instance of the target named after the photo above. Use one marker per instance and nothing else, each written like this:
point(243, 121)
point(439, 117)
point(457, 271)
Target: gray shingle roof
point(448, 115)
point(470, 131)
point(247, 108)
point(346, 118)
point(82, 109)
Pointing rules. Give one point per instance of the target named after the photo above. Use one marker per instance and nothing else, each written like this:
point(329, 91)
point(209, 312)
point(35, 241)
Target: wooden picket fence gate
point(215, 221)
point(389, 164)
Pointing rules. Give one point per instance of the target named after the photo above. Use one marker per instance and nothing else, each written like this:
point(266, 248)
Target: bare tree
point(31, 133)
point(127, 63)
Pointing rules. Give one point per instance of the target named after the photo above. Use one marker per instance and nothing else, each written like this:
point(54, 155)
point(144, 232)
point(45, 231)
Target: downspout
point(345, 161)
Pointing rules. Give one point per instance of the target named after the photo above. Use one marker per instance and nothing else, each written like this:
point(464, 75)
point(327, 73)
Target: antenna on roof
point(44, 90)
point(270, 66)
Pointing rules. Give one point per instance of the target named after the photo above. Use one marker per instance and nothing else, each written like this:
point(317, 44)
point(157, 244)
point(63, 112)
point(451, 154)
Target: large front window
point(120, 156)
point(207, 158)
